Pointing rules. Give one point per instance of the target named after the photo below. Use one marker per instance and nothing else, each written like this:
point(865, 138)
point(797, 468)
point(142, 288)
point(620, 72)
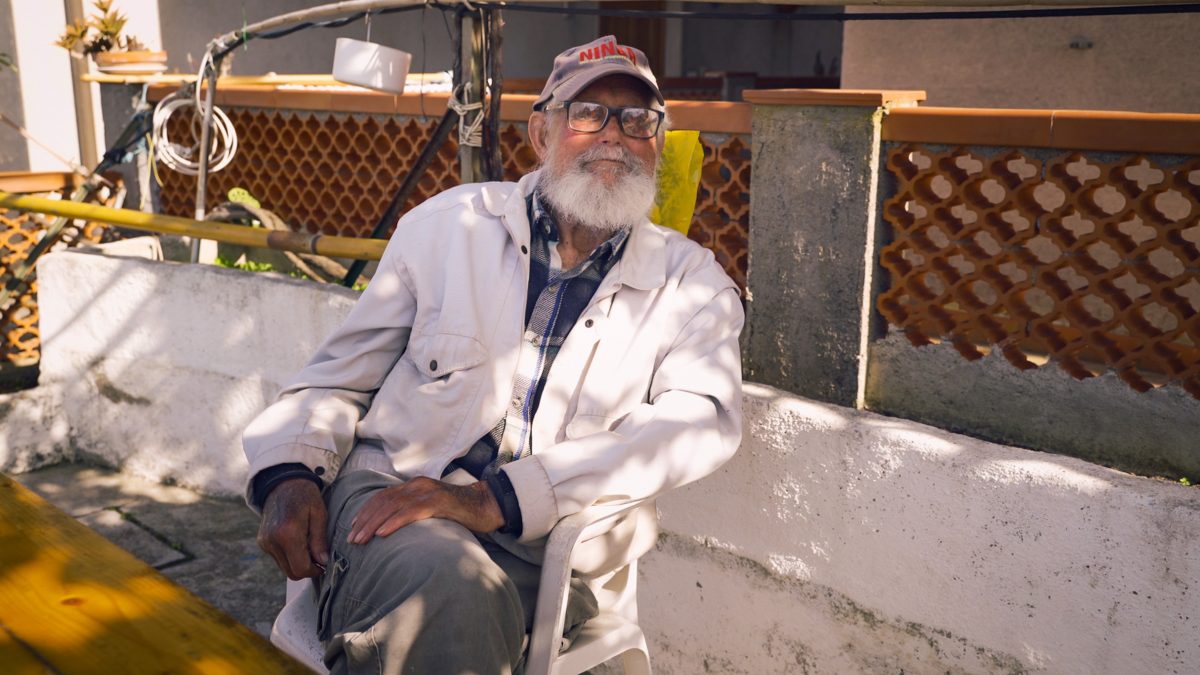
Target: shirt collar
point(541, 218)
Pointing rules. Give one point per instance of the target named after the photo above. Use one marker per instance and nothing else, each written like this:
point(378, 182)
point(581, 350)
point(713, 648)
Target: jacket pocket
point(584, 424)
point(437, 355)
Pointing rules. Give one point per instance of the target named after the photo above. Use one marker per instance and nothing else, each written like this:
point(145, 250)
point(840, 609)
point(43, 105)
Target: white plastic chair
point(615, 632)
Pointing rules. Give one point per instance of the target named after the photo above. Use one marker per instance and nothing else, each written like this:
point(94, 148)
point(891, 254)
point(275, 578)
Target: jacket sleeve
point(691, 425)
point(313, 420)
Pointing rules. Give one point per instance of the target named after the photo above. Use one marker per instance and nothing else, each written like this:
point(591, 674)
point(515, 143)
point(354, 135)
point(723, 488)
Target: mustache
point(610, 153)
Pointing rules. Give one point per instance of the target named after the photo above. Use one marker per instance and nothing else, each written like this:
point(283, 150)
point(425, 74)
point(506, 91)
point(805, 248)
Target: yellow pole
point(298, 242)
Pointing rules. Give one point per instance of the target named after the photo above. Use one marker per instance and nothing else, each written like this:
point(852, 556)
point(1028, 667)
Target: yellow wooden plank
point(83, 605)
point(16, 659)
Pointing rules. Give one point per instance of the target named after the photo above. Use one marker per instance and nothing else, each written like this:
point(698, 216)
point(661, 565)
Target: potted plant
point(99, 36)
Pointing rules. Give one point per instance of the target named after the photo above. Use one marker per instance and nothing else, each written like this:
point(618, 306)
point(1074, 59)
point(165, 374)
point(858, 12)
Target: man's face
point(602, 180)
point(564, 147)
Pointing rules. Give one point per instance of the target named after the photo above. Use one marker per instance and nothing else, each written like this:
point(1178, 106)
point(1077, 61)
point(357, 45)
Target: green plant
point(251, 266)
point(255, 266)
point(1185, 481)
point(101, 32)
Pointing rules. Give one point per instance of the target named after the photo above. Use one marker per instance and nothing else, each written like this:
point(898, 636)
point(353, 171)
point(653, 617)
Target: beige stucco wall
point(1140, 63)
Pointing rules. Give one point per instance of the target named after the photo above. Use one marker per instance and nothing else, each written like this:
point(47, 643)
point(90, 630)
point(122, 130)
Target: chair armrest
point(550, 612)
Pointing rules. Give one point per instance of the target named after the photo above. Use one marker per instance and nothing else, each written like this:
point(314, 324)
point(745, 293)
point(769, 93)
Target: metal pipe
point(297, 242)
point(205, 138)
point(312, 13)
point(494, 163)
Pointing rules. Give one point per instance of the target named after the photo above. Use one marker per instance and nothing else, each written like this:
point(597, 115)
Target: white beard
point(577, 195)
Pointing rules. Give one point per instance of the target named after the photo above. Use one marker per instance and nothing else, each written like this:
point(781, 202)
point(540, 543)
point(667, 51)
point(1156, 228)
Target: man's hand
point(472, 506)
point(293, 528)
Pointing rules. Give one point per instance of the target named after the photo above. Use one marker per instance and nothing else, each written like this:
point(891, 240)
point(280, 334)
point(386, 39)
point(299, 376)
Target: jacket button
point(320, 471)
point(524, 248)
point(433, 364)
point(588, 323)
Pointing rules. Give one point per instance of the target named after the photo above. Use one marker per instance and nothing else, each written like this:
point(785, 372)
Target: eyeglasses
point(588, 118)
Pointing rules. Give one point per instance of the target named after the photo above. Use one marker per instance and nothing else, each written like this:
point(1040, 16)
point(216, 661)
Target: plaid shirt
point(554, 301)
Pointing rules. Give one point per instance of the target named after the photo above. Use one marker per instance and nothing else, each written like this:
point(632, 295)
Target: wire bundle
point(180, 157)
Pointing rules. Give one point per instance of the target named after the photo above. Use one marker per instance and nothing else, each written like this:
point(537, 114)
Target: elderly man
point(523, 352)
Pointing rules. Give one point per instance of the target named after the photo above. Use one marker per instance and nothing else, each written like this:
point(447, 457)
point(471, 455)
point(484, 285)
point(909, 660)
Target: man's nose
point(611, 131)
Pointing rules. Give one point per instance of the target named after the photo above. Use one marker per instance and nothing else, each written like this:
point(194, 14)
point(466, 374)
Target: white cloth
point(644, 396)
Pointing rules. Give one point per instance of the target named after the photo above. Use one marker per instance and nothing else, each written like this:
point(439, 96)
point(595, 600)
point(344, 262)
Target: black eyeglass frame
point(608, 113)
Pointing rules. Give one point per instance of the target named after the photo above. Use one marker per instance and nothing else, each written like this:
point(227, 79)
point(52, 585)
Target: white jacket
point(644, 395)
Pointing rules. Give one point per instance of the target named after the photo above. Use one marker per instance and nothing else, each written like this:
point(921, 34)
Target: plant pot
point(131, 63)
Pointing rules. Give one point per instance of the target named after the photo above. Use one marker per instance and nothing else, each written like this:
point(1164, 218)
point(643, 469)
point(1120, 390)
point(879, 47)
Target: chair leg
point(636, 662)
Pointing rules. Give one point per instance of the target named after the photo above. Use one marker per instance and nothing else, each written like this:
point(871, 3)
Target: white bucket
point(370, 65)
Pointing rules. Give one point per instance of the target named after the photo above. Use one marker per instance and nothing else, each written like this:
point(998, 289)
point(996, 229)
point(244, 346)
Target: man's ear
point(538, 128)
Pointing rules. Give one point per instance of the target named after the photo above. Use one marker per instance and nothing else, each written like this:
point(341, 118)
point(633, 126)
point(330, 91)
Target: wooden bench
point(71, 602)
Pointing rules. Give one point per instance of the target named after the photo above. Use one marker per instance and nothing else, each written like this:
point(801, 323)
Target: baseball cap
point(580, 66)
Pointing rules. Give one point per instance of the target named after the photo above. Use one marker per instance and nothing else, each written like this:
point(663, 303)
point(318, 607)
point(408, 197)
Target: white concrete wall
point(835, 541)
point(161, 365)
point(33, 430)
point(839, 541)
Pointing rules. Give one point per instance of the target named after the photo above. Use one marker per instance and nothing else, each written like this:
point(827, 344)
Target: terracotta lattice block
point(722, 219)
point(336, 172)
point(1094, 265)
point(332, 173)
point(19, 232)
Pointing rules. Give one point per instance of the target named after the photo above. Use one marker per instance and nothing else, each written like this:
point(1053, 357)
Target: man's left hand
point(472, 506)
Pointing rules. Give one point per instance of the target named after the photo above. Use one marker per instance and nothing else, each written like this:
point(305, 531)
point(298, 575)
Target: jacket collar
point(643, 265)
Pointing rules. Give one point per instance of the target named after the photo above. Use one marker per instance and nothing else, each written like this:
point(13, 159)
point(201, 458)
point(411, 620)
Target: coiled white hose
point(178, 157)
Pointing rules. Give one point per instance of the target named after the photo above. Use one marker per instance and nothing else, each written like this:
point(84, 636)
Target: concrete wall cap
point(1061, 129)
point(871, 98)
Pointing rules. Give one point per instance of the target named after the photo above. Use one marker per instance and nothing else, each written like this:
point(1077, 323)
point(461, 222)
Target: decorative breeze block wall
point(1089, 260)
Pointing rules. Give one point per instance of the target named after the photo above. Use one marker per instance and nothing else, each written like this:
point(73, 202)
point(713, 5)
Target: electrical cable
point(1119, 10)
point(179, 157)
point(332, 23)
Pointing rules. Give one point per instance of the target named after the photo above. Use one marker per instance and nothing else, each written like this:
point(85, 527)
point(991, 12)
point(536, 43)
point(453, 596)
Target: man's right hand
point(293, 528)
